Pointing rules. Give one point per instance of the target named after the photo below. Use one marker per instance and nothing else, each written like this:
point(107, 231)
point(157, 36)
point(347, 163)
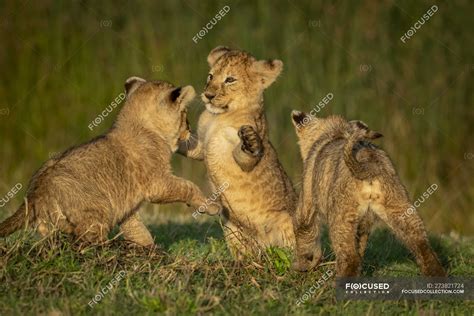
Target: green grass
point(192, 274)
point(63, 62)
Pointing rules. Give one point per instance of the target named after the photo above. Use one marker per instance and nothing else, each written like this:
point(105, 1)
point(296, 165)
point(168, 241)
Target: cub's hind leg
point(135, 231)
point(91, 227)
point(50, 218)
point(343, 235)
point(363, 232)
point(409, 228)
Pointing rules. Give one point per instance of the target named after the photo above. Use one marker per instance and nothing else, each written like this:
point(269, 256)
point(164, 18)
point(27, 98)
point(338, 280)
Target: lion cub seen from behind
point(347, 183)
point(89, 189)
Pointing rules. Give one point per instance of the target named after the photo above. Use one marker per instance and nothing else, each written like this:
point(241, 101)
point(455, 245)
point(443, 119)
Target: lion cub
point(347, 183)
point(89, 189)
point(232, 139)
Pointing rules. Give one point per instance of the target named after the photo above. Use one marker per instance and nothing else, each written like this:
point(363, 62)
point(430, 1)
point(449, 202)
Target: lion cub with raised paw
point(89, 189)
point(347, 183)
point(232, 139)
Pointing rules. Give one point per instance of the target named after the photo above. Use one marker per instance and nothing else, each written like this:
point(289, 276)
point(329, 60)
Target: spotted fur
point(348, 182)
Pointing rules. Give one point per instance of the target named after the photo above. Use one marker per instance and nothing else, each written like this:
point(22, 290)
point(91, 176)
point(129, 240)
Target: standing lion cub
point(89, 189)
point(347, 182)
point(233, 142)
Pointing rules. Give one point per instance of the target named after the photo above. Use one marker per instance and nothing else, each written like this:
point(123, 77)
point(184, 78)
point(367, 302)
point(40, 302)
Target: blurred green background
point(63, 62)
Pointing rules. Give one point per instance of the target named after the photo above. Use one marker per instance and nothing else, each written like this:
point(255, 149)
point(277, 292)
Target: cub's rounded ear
point(182, 96)
point(374, 135)
point(299, 119)
point(362, 126)
point(132, 83)
point(217, 53)
point(267, 70)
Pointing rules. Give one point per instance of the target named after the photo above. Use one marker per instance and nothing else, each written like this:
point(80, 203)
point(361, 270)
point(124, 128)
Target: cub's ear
point(299, 119)
point(374, 135)
point(132, 83)
point(182, 96)
point(364, 128)
point(217, 53)
point(267, 70)
point(357, 124)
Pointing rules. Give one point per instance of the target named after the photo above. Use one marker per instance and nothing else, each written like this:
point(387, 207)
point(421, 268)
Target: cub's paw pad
point(251, 142)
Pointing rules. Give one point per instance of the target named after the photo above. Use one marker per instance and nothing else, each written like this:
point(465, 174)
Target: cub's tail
point(16, 221)
point(364, 166)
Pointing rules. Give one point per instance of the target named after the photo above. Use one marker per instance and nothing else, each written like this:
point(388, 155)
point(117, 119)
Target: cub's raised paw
point(211, 208)
point(251, 142)
point(214, 209)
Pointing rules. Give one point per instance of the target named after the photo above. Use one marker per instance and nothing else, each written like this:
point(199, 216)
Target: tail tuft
point(357, 137)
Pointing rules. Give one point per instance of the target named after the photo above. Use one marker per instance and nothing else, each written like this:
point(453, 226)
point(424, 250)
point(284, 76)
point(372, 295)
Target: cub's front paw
point(306, 262)
point(210, 208)
point(251, 142)
point(214, 209)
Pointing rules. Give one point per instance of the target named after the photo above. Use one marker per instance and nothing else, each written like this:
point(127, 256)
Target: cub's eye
point(230, 79)
point(209, 77)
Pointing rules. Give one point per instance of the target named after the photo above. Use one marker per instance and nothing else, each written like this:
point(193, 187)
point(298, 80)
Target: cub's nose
point(209, 96)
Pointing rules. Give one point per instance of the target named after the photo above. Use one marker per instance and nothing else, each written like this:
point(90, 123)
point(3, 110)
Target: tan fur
point(347, 183)
point(89, 189)
point(233, 142)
